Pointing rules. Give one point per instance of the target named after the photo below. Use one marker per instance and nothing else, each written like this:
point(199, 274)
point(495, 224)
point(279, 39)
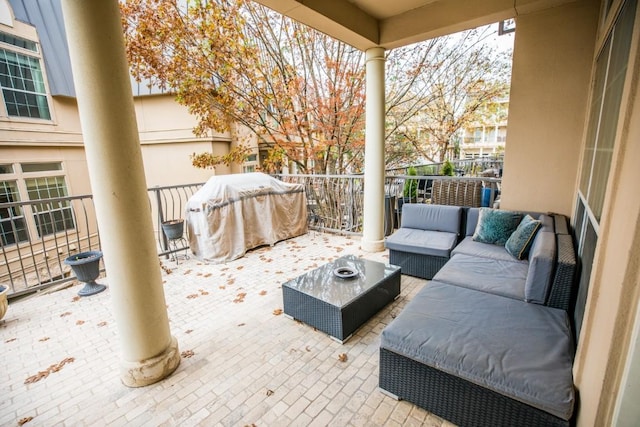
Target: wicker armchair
point(457, 192)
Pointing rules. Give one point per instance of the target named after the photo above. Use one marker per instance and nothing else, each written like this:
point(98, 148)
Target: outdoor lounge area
point(198, 344)
point(242, 362)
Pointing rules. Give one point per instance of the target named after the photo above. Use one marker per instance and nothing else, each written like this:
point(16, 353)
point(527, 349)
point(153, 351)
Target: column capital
point(375, 53)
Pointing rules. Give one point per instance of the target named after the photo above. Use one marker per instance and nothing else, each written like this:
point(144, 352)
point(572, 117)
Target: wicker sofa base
point(454, 399)
point(418, 265)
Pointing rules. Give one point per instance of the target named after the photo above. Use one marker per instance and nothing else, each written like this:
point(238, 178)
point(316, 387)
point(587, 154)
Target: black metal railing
point(38, 235)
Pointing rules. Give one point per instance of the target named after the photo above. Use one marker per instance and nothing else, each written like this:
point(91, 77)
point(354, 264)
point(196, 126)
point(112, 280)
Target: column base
point(372, 246)
point(150, 371)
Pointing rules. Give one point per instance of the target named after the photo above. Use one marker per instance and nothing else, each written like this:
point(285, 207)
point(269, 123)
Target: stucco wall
point(552, 58)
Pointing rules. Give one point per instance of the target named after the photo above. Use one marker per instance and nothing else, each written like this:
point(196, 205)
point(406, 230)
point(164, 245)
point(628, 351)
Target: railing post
point(165, 242)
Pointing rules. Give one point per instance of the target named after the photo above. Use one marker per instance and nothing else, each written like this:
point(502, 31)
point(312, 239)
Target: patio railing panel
point(38, 235)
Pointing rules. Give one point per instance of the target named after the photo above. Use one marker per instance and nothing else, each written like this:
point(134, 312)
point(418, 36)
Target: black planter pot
point(86, 267)
point(173, 229)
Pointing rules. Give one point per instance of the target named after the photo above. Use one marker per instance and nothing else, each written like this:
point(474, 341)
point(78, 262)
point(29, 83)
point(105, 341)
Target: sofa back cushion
point(471, 220)
point(542, 258)
point(431, 217)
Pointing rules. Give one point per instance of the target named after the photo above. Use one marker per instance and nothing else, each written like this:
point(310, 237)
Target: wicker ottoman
point(338, 306)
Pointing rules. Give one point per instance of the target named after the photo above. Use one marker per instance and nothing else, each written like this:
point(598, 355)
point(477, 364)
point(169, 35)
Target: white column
point(373, 221)
point(112, 146)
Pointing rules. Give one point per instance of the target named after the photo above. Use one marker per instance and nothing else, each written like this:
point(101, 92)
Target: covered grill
point(232, 214)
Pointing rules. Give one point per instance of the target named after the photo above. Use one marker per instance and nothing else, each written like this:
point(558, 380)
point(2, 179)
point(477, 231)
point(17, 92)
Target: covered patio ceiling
point(369, 23)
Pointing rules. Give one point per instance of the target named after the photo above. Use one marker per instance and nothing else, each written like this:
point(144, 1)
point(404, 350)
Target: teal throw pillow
point(519, 243)
point(495, 226)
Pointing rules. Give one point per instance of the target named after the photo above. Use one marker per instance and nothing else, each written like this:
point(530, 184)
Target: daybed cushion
point(431, 217)
point(520, 350)
point(425, 242)
point(499, 277)
point(468, 246)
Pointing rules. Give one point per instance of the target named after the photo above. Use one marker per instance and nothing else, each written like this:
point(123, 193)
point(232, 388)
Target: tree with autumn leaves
point(300, 92)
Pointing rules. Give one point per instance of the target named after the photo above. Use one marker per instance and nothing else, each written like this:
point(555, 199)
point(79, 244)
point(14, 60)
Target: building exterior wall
point(605, 349)
point(552, 58)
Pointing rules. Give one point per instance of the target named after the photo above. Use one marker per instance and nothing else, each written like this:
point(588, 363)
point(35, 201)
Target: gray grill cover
point(520, 350)
point(231, 214)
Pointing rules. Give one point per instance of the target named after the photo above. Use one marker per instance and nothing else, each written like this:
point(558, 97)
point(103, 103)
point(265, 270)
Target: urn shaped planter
point(173, 229)
point(4, 303)
point(86, 267)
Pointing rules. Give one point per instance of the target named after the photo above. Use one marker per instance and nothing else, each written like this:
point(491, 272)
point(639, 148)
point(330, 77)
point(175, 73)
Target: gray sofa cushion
point(431, 217)
point(547, 222)
point(542, 258)
point(471, 220)
point(468, 246)
point(425, 242)
point(520, 350)
point(499, 277)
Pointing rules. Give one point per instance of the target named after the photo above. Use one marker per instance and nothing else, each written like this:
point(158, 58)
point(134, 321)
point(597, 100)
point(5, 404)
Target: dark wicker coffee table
point(339, 306)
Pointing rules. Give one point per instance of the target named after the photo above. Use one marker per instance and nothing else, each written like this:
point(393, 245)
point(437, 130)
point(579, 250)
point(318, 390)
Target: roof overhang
point(370, 23)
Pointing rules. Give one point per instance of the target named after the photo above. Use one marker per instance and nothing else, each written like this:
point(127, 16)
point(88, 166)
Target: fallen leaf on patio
point(308, 348)
point(342, 357)
point(299, 322)
point(263, 292)
point(277, 312)
point(43, 339)
point(224, 269)
point(10, 340)
point(339, 249)
point(279, 272)
point(203, 292)
point(23, 421)
point(67, 313)
point(222, 287)
point(76, 298)
point(101, 324)
point(192, 296)
point(348, 243)
point(207, 275)
point(240, 297)
point(240, 267)
point(165, 268)
point(241, 324)
point(44, 374)
point(188, 331)
point(187, 353)
point(269, 392)
point(79, 322)
point(37, 377)
point(187, 272)
point(198, 274)
point(231, 281)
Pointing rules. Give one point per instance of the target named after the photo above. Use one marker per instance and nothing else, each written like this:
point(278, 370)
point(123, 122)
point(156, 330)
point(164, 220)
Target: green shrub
point(410, 190)
point(447, 168)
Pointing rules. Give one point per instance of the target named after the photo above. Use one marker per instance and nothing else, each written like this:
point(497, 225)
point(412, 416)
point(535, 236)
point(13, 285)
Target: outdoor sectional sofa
point(488, 341)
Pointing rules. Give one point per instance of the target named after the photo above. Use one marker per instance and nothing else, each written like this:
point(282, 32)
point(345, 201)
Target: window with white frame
point(607, 92)
point(43, 183)
point(12, 224)
point(21, 78)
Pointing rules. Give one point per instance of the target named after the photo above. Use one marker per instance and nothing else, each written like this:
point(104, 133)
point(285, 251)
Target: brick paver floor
point(242, 364)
